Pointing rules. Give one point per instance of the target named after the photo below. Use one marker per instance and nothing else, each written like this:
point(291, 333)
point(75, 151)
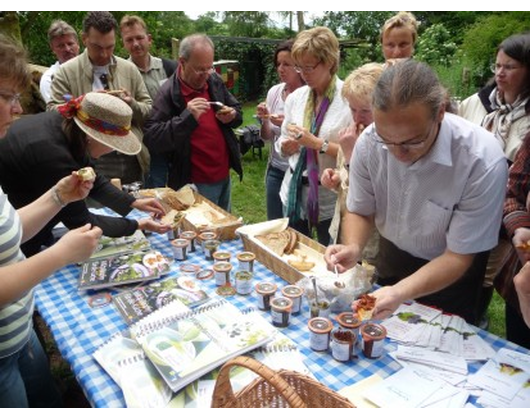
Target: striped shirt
point(15, 317)
point(451, 198)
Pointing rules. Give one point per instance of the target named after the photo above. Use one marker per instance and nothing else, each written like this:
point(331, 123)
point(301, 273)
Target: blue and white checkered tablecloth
point(80, 329)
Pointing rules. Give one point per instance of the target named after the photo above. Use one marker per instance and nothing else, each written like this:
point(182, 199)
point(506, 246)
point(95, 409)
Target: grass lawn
point(248, 201)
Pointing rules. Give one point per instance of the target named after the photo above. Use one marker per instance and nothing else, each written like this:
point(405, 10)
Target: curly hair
point(13, 63)
point(102, 22)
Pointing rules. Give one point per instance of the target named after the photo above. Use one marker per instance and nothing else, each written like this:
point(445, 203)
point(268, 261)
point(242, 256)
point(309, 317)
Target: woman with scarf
point(503, 108)
point(314, 115)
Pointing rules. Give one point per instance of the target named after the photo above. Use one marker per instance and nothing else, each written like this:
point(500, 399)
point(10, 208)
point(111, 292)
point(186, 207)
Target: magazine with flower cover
point(142, 300)
point(123, 269)
point(186, 346)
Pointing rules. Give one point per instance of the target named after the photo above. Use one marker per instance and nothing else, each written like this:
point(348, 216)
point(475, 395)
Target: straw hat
point(106, 119)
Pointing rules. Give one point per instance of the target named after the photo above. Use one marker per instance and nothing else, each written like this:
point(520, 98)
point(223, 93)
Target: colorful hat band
point(102, 126)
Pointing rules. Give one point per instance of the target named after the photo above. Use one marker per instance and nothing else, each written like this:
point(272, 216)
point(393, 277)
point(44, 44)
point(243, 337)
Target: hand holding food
point(330, 178)
point(71, 188)
point(86, 174)
point(226, 114)
point(365, 307)
point(149, 205)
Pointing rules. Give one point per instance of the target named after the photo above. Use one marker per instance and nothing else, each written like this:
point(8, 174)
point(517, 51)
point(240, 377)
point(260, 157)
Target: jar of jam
point(373, 340)
point(342, 344)
point(243, 280)
point(190, 236)
point(320, 329)
point(222, 273)
point(210, 247)
point(206, 236)
point(246, 261)
point(281, 311)
point(294, 293)
point(265, 291)
point(322, 308)
point(220, 256)
point(180, 248)
point(348, 321)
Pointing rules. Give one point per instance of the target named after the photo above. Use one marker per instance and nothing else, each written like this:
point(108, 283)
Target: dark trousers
point(322, 229)
point(516, 329)
point(460, 298)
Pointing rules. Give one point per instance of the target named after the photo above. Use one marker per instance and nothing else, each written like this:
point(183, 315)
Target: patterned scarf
point(309, 160)
point(500, 120)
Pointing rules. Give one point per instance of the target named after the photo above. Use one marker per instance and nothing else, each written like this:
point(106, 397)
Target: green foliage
point(435, 46)
point(251, 24)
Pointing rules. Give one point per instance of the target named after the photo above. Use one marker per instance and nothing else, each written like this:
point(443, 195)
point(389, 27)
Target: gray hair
point(406, 83)
point(189, 43)
point(60, 28)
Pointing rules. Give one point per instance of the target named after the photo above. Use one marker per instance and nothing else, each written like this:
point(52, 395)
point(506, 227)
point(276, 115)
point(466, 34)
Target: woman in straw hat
point(25, 378)
point(42, 148)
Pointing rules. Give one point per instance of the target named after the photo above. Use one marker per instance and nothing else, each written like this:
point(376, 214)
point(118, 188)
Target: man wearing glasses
point(434, 185)
point(97, 69)
point(192, 118)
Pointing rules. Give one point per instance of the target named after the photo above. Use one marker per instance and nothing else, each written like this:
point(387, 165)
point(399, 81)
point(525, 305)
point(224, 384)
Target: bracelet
point(56, 198)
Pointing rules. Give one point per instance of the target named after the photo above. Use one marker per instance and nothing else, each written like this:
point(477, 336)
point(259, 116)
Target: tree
point(249, 24)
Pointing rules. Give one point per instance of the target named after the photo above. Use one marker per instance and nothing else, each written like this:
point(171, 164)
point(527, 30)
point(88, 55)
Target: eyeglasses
point(406, 145)
point(203, 72)
point(105, 81)
point(495, 68)
point(307, 69)
point(11, 98)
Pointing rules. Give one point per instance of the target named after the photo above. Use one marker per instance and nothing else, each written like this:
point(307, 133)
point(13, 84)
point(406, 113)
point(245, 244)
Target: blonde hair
point(321, 43)
point(131, 20)
point(60, 28)
point(13, 63)
point(361, 82)
point(402, 20)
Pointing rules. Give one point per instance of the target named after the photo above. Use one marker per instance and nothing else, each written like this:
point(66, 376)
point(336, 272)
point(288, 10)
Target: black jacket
point(170, 125)
point(35, 155)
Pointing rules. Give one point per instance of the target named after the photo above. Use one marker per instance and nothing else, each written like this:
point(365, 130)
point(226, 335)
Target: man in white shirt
point(65, 45)
point(434, 185)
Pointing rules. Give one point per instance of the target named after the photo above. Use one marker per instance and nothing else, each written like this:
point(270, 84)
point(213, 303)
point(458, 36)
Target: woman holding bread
point(41, 149)
point(25, 377)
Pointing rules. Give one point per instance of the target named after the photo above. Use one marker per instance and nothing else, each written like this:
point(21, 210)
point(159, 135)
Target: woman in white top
point(314, 115)
point(271, 115)
point(25, 378)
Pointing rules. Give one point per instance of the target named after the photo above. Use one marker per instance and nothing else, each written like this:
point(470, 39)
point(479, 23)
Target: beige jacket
point(472, 110)
point(75, 77)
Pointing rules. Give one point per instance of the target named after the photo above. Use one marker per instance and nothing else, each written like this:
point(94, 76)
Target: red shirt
point(209, 151)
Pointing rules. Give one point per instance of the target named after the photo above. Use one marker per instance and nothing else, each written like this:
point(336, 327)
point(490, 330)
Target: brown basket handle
point(223, 391)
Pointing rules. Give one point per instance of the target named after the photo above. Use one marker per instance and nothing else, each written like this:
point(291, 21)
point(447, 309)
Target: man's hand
point(197, 107)
point(343, 257)
point(226, 114)
point(149, 205)
point(72, 188)
point(152, 225)
point(330, 178)
point(521, 242)
point(387, 300)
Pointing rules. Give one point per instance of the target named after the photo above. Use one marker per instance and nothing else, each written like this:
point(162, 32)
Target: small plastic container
point(348, 321)
point(180, 249)
point(342, 344)
point(190, 236)
point(320, 329)
point(265, 291)
point(210, 247)
point(246, 261)
point(281, 311)
point(205, 236)
point(220, 256)
point(243, 281)
point(373, 340)
point(321, 309)
point(294, 293)
point(222, 273)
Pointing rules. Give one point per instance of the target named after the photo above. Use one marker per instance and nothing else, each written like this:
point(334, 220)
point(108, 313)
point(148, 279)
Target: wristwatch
point(324, 147)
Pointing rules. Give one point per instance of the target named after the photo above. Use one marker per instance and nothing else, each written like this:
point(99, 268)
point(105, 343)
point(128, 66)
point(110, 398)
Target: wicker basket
point(274, 389)
point(274, 262)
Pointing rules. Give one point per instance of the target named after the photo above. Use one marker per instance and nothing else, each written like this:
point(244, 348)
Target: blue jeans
point(273, 183)
point(158, 171)
point(217, 192)
point(26, 380)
